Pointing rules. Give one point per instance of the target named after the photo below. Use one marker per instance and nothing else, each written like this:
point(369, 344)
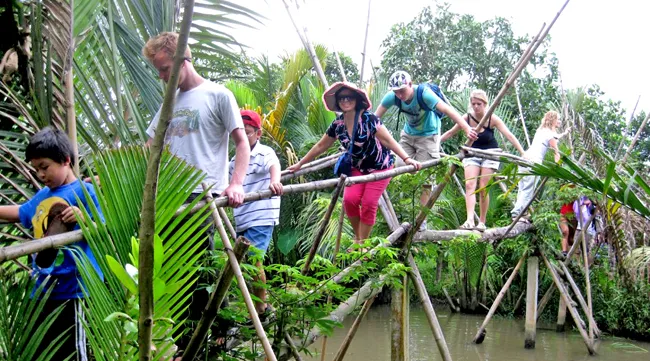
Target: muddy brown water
point(504, 341)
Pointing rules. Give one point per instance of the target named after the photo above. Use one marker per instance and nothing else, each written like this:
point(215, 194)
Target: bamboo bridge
point(402, 236)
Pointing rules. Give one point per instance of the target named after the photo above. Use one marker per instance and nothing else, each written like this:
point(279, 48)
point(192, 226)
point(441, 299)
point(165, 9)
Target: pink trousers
point(362, 200)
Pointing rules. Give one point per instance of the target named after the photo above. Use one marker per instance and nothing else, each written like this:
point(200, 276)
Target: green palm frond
point(638, 261)
point(22, 323)
point(626, 189)
point(120, 197)
point(310, 220)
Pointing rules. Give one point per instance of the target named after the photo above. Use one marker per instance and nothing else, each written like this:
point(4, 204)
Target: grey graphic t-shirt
point(199, 130)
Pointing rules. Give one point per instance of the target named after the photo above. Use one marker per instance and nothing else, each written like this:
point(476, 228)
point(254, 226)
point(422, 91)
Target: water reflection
point(504, 341)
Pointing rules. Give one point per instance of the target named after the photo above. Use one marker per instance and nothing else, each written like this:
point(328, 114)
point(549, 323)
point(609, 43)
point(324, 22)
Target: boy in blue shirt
point(54, 209)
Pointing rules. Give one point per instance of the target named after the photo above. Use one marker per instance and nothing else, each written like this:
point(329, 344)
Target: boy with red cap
point(255, 220)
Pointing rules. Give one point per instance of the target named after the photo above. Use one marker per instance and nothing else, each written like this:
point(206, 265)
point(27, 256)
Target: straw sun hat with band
point(330, 96)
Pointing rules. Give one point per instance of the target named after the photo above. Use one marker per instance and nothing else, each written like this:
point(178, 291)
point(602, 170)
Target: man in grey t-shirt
point(205, 116)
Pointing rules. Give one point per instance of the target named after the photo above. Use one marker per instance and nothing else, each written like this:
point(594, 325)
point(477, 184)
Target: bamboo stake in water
point(414, 273)
point(567, 301)
point(353, 330)
point(480, 334)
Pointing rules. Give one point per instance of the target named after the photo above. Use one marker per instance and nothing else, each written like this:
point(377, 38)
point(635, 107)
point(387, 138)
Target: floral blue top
point(368, 154)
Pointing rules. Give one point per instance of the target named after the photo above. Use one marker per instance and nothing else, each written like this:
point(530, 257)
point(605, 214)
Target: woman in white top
point(546, 137)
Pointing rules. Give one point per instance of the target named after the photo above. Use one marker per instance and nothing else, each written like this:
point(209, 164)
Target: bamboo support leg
point(531, 302)
point(399, 350)
point(292, 346)
point(216, 298)
point(572, 310)
point(581, 300)
point(428, 309)
point(340, 354)
point(226, 222)
point(589, 310)
point(337, 247)
point(323, 226)
point(561, 316)
point(549, 293)
point(480, 335)
point(241, 283)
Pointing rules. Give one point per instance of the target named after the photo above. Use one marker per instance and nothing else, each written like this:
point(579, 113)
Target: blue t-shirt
point(418, 121)
point(368, 154)
point(34, 214)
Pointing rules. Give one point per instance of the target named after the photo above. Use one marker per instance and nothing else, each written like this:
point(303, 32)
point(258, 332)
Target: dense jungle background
point(116, 92)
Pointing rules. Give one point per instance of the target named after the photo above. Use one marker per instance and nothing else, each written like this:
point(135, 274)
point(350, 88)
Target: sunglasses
point(346, 98)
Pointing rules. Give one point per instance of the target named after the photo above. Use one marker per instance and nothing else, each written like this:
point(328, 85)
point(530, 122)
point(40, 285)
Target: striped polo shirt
point(265, 212)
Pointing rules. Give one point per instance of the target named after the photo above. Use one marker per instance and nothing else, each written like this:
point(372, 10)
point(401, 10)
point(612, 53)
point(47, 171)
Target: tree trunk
point(147, 226)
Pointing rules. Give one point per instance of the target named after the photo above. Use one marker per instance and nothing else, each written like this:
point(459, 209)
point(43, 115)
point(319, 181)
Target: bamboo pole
point(480, 335)
point(389, 216)
point(367, 291)
point(627, 128)
point(147, 225)
point(581, 299)
point(521, 115)
point(452, 305)
point(572, 310)
point(399, 350)
point(216, 298)
point(19, 250)
point(532, 285)
point(292, 346)
point(491, 235)
point(241, 283)
point(414, 274)
point(339, 64)
point(337, 247)
point(313, 163)
point(585, 254)
point(226, 221)
point(340, 354)
point(561, 316)
point(365, 42)
point(68, 84)
point(572, 250)
point(323, 225)
point(636, 138)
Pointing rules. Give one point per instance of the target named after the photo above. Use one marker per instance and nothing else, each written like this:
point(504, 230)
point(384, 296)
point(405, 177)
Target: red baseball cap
point(251, 118)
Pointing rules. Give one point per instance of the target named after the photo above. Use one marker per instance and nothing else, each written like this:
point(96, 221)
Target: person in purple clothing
point(55, 209)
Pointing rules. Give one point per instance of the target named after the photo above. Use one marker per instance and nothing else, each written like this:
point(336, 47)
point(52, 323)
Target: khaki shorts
point(420, 148)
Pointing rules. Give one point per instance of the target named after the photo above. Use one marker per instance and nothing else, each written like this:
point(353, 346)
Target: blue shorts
point(259, 236)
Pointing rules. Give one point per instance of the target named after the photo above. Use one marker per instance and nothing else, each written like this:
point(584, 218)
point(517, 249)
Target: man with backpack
point(423, 106)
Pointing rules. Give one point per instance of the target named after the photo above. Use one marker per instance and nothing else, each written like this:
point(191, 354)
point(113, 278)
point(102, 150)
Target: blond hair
point(550, 119)
point(478, 94)
point(167, 42)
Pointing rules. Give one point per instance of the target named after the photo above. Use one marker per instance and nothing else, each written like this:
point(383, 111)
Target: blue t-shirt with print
point(368, 154)
point(419, 122)
point(34, 214)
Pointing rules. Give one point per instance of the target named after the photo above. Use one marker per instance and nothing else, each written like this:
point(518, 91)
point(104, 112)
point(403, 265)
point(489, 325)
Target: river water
point(504, 341)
